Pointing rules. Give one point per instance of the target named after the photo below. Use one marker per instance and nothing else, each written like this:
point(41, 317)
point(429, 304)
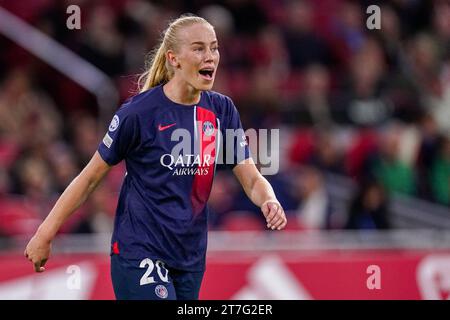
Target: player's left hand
point(274, 214)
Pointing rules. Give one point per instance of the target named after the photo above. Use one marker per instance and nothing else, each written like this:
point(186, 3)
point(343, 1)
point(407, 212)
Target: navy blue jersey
point(171, 151)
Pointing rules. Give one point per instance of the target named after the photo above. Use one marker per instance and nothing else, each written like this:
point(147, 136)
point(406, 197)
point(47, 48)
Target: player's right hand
point(274, 214)
point(37, 251)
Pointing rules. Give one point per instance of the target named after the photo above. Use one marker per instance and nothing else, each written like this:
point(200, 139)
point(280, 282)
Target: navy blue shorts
point(151, 280)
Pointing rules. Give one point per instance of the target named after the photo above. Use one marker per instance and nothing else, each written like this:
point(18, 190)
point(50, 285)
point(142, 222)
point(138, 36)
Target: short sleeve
point(121, 138)
point(235, 146)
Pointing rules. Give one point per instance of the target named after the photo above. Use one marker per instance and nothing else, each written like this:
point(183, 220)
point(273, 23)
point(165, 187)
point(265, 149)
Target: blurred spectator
point(441, 23)
point(408, 11)
point(64, 165)
point(327, 156)
point(363, 99)
point(35, 184)
point(314, 105)
point(222, 198)
point(299, 34)
point(97, 214)
point(427, 153)
point(394, 174)
point(103, 44)
point(362, 148)
point(261, 105)
point(391, 36)
point(248, 15)
point(440, 173)
point(34, 178)
point(348, 30)
point(425, 69)
point(85, 137)
point(369, 208)
point(268, 51)
point(314, 211)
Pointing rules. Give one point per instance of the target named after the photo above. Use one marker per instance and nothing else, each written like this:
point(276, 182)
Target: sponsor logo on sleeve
point(107, 140)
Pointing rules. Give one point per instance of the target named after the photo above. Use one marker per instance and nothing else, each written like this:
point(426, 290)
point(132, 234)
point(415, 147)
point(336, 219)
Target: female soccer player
point(158, 246)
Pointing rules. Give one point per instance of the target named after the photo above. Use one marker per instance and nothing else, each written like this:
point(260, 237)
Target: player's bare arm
point(260, 192)
point(39, 247)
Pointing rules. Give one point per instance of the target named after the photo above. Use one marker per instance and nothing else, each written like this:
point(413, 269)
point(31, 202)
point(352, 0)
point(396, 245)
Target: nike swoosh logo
point(162, 128)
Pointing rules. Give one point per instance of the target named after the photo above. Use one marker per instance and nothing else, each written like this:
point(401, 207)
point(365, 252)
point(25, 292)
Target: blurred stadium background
point(364, 119)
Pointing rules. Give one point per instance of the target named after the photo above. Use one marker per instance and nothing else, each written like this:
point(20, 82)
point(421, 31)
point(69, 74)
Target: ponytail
point(157, 71)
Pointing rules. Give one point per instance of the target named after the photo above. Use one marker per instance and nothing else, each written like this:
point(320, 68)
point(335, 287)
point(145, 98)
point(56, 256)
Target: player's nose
point(209, 57)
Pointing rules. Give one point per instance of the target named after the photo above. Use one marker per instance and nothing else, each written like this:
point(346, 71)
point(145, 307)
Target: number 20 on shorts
point(147, 278)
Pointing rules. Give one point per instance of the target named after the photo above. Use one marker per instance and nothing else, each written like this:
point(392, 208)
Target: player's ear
point(172, 58)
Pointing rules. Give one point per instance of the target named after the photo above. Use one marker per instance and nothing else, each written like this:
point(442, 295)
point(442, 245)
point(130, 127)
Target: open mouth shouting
point(207, 73)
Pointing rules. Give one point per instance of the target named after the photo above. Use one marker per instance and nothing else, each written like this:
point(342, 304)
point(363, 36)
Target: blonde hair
point(158, 69)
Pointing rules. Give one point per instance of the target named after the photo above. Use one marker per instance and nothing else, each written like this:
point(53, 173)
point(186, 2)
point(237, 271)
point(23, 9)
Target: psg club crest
point(208, 128)
point(161, 291)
